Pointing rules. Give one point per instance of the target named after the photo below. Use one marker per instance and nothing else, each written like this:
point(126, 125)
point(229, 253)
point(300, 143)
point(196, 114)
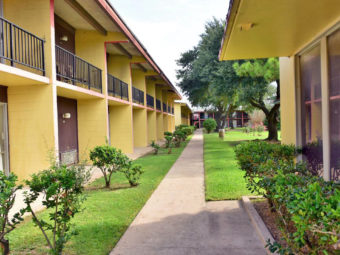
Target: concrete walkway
point(176, 219)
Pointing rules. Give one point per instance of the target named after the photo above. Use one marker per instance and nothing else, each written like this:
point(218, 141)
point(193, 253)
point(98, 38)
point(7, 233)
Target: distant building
point(239, 118)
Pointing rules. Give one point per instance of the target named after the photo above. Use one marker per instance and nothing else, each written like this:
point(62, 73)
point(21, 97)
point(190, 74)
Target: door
point(68, 130)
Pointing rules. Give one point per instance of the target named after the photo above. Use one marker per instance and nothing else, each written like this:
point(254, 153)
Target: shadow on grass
point(116, 186)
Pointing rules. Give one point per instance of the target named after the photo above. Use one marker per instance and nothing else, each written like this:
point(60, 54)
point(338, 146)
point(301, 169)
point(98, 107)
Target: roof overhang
point(185, 105)
point(274, 28)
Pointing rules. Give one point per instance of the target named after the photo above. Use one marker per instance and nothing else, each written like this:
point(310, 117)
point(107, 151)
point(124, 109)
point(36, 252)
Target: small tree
point(179, 136)
point(209, 125)
point(168, 138)
point(155, 147)
point(109, 160)
point(7, 199)
point(62, 188)
point(132, 173)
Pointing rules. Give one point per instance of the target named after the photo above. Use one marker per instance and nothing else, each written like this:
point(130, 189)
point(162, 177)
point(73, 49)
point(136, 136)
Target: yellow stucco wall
point(160, 128)
point(178, 114)
point(140, 127)
point(165, 123)
point(121, 133)
point(31, 129)
point(92, 125)
point(288, 103)
point(152, 126)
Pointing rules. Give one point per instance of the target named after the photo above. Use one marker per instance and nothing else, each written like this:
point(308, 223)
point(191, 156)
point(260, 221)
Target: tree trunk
point(272, 130)
point(5, 246)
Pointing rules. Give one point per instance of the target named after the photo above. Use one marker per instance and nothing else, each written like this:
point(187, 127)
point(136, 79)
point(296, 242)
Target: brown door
point(68, 130)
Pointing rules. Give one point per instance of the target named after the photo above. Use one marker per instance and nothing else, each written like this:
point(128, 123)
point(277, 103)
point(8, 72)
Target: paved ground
point(96, 173)
point(176, 220)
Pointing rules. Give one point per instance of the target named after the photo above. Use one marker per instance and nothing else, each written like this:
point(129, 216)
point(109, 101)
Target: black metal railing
point(137, 96)
point(74, 70)
point(150, 101)
point(20, 47)
point(172, 110)
point(117, 88)
point(158, 105)
point(164, 107)
point(169, 109)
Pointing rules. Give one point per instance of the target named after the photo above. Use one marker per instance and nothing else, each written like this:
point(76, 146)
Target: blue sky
point(167, 28)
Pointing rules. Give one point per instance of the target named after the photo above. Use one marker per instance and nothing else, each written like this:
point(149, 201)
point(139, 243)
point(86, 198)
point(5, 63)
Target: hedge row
point(308, 207)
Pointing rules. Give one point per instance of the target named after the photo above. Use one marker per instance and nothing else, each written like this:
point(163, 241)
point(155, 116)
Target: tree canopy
point(226, 85)
point(203, 78)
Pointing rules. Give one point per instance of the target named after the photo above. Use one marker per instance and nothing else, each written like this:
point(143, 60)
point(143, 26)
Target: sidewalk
point(176, 219)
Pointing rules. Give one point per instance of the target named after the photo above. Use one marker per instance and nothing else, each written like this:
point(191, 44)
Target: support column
point(121, 133)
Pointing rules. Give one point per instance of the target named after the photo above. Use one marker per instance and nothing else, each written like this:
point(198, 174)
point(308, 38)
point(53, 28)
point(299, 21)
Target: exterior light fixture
point(67, 115)
point(246, 26)
point(64, 38)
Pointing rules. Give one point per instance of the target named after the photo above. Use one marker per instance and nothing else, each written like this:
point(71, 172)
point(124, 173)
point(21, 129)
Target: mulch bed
point(269, 218)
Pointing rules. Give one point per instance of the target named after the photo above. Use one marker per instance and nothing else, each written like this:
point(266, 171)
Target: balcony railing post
point(43, 57)
point(73, 69)
point(88, 77)
point(121, 90)
point(11, 43)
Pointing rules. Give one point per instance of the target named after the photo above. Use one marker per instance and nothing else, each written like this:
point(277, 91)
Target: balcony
point(117, 88)
point(20, 48)
point(164, 107)
point(150, 101)
point(76, 71)
point(158, 105)
point(137, 96)
point(169, 109)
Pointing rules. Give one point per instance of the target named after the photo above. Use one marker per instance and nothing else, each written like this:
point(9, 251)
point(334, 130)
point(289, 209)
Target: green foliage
point(209, 125)
point(308, 207)
point(109, 160)
point(62, 188)
point(252, 155)
point(205, 80)
point(132, 173)
point(7, 199)
point(155, 147)
point(168, 139)
point(255, 88)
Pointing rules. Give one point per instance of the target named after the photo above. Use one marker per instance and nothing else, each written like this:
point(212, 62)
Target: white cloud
point(168, 28)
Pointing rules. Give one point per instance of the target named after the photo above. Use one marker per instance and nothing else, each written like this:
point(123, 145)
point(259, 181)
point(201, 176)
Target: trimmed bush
point(308, 207)
point(62, 187)
point(7, 199)
point(155, 147)
point(209, 125)
point(132, 173)
point(109, 160)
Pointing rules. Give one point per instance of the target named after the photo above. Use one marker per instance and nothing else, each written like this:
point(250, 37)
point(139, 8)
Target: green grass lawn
point(107, 213)
point(223, 178)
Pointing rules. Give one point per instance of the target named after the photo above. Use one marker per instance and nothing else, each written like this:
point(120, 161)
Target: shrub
point(155, 147)
point(109, 160)
point(257, 118)
point(132, 173)
point(62, 188)
point(252, 155)
point(168, 139)
point(179, 136)
point(7, 199)
point(209, 125)
point(308, 208)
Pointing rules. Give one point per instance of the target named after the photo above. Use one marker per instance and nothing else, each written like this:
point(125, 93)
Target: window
point(311, 109)
point(334, 102)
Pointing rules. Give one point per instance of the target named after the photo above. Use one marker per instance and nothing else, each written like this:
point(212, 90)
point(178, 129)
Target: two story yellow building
point(306, 36)
point(182, 113)
point(74, 76)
